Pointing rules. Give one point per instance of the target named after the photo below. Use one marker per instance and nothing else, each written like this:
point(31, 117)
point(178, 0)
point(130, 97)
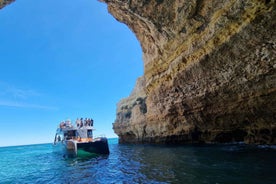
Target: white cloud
point(11, 96)
point(25, 105)
point(22, 94)
point(10, 91)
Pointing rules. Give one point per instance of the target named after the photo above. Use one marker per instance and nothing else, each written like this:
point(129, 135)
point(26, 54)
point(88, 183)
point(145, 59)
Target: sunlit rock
point(209, 71)
point(5, 2)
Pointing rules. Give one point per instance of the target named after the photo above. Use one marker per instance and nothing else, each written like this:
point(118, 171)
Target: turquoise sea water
point(219, 164)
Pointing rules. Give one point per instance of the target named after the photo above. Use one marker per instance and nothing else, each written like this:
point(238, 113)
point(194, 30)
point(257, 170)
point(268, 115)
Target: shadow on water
point(236, 163)
point(83, 155)
point(83, 168)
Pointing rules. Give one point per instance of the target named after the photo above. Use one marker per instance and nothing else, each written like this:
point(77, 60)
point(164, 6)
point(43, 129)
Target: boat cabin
point(78, 134)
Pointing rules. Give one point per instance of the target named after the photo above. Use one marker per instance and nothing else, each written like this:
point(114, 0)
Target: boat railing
point(99, 136)
point(86, 127)
point(74, 127)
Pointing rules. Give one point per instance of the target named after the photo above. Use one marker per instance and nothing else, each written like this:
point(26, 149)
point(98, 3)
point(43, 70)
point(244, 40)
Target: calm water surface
point(141, 164)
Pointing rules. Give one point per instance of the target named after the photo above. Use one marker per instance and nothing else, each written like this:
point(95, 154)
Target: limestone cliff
point(209, 71)
point(5, 2)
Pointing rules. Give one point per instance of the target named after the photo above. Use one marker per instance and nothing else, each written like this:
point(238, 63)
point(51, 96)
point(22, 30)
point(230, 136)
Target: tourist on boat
point(68, 123)
point(92, 122)
point(81, 122)
point(86, 122)
point(89, 122)
point(62, 124)
point(78, 122)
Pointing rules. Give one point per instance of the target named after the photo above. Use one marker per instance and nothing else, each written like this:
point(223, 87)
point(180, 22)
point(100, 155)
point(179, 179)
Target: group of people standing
point(66, 123)
point(84, 122)
point(79, 123)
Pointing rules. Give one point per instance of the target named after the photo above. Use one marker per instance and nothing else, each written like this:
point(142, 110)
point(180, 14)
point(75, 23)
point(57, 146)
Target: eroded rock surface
point(5, 2)
point(209, 71)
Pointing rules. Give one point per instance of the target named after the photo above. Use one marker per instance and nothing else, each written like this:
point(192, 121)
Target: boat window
point(61, 137)
point(82, 133)
point(70, 134)
point(89, 133)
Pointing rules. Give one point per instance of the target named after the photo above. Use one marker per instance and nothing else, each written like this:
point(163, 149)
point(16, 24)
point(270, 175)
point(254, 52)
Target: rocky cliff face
point(5, 2)
point(209, 71)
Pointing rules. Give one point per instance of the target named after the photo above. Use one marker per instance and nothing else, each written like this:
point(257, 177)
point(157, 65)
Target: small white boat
point(74, 139)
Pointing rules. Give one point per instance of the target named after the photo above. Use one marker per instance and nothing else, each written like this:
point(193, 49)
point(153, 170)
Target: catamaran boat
point(81, 138)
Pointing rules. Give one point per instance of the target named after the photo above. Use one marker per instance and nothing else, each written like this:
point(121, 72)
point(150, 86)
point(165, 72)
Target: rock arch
point(210, 71)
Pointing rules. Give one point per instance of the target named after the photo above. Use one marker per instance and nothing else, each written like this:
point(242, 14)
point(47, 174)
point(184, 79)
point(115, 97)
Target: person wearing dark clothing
point(81, 122)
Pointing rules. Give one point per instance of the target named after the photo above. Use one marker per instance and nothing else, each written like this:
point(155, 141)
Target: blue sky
point(62, 59)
